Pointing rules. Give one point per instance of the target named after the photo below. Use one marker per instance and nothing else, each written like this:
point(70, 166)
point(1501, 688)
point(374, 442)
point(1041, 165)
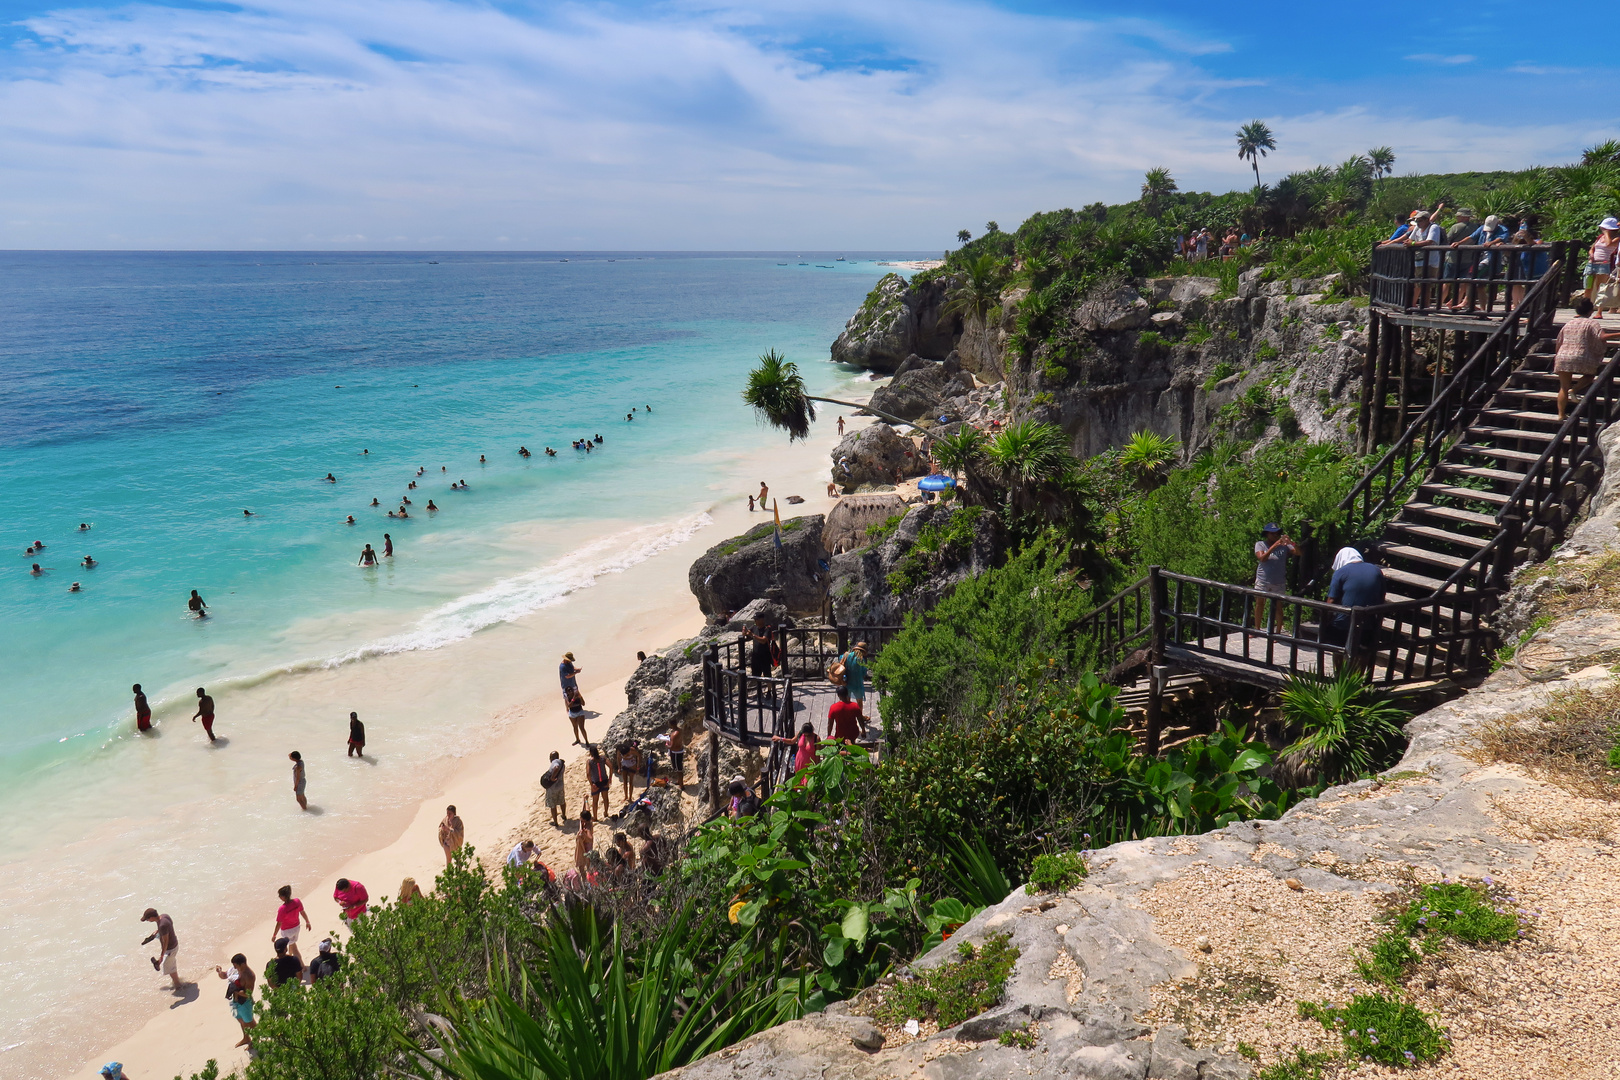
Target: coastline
point(646, 607)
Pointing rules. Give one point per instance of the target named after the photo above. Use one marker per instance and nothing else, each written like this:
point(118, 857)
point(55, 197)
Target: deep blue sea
point(156, 396)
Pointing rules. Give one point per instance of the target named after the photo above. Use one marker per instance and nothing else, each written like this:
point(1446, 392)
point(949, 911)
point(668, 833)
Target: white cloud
point(1436, 58)
point(450, 122)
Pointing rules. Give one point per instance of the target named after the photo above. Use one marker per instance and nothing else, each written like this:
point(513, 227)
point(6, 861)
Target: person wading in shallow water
point(205, 713)
point(143, 711)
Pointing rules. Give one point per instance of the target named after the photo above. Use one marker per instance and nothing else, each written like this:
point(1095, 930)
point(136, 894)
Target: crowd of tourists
point(1203, 244)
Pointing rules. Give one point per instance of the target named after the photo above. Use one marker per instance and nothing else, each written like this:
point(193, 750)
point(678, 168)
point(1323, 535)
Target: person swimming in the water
point(73, 587)
point(368, 557)
point(480, 459)
point(411, 486)
point(629, 417)
point(198, 607)
point(374, 502)
point(349, 520)
point(84, 527)
point(365, 451)
point(330, 479)
point(523, 451)
point(87, 562)
point(39, 545)
point(37, 570)
point(550, 452)
point(388, 546)
point(247, 513)
point(430, 506)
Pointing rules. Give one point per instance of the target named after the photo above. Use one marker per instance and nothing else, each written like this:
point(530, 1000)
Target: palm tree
point(776, 392)
point(1033, 463)
point(1602, 154)
point(1253, 140)
point(1148, 455)
point(963, 236)
point(991, 227)
point(979, 291)
point(1157, 185)
point(1383, 161)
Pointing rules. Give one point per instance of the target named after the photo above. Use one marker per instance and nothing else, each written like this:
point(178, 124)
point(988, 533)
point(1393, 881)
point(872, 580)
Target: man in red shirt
point(287, 919)
point(844, 719)
point(351, 897)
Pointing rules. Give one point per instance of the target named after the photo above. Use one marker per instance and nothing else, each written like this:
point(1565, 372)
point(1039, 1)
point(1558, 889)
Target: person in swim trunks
point(239, 995)
point(168, 943)
point(298, 779)
point(197, 606)
point(143, 711)
point(357, 737)
point(205, 713)
point(368, 557)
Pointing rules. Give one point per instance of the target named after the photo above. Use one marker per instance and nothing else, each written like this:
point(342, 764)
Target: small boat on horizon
point(839, 259)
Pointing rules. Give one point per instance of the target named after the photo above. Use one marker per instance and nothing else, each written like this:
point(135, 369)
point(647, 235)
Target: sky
point(805, 124)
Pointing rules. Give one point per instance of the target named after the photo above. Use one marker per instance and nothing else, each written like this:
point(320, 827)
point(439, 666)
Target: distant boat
point(562, 260)
point(801, 264)
point(781, 264)
point(824, 266)
point(433, 262)
point(839, 259)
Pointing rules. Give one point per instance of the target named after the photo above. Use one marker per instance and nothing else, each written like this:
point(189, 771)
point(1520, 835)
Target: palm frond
point(776, 392)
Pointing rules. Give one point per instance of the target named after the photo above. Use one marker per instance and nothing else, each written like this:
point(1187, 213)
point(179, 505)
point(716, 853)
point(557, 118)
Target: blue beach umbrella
point(936, 482)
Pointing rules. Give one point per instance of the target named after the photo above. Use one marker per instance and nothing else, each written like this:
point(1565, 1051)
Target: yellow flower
point(738, 906)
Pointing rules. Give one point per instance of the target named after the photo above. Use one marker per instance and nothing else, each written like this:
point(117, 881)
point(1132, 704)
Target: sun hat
point(1610, 223)
point(1463, 211)
point(1273, 527)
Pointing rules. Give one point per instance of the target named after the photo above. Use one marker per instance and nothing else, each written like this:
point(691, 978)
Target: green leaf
point(856, 924)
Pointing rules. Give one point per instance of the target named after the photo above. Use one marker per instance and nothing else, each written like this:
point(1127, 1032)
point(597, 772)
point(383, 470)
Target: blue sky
point(712, 125)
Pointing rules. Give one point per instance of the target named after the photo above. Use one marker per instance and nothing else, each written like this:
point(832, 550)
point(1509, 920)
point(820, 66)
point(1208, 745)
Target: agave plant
point(776, 392)
point(974, 874)
point(1346, 729)
point(1148, 454)
point(962, 450)
point(598, 1014)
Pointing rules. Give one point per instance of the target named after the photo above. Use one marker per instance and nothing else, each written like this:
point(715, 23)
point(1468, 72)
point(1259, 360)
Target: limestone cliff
point(897, 320)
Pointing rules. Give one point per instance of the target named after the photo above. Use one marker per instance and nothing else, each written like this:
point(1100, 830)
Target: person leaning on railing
point(1357, 582)
point(1581, 343)
point(1454, 259)
point(1601, 258)
point(1491, 234)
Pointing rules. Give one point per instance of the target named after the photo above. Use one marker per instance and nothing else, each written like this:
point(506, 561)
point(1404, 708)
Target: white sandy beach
point(509, 672)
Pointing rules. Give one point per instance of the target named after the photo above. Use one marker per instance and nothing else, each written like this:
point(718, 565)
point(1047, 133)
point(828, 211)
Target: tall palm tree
point(1253, 140)
point(1383, 161)
point(776, 392)
point(1032, 461)
point(979, 290)
point(1157, 185)
point(1603, 153)
point(963, 236)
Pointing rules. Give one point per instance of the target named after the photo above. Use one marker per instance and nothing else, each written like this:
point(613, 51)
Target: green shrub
point(1021, 1038)
point(1346, 728)
point(1198, 333)
point(956, 990)
point(1056, 873)
point(1332, 331)
point(1301, 1066)
point(1463, 911)
point(1044, 397)
point(1151, 341)
point(1222, 371)
point(876, 534)
point(1266, 352)
point(947, 535)
point(1382, 1028)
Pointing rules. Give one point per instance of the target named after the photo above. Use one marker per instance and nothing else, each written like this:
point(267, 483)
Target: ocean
point(156, 396)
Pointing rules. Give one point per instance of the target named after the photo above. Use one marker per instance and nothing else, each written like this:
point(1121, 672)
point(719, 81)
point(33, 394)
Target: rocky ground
point(1177, 953)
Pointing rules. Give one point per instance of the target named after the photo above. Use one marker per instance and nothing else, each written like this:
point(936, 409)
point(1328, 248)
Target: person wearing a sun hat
point(1459, 231)
point(1600, 259)
point(1271, 554)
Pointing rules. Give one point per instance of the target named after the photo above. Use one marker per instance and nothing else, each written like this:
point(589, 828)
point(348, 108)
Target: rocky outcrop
point(923, 388)
point(747, 567)
point(852, 515)
point(876, 455)
point(982, 348)
point(859, 585)
point(897, 320)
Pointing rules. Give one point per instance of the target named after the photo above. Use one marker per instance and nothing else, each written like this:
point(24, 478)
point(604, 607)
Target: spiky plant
point(1346, 728)
point(775, 391)
point(978, 290)
point(1147, 455)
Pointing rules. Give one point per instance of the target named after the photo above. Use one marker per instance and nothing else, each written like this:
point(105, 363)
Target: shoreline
point(494, 788)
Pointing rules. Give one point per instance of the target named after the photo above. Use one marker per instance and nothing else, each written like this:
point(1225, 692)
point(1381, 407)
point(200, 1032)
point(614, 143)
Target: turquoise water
point(156, 396)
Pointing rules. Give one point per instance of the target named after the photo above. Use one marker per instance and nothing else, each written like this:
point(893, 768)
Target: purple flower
point(1487, 880)
point(1352, 1033)
point(1373, 1039)
point(1409, 1055)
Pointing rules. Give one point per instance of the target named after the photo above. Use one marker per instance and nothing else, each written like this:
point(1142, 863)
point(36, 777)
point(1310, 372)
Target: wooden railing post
point(1502, 568)
point(1155, 704)
point(1368, 366)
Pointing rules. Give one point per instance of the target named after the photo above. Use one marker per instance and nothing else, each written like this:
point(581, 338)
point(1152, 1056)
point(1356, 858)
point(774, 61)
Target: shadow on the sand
point(187, 993)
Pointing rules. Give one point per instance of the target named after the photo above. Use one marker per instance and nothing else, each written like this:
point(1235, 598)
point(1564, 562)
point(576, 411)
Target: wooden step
point(1523, 457)
point(1447, 513)
point(1536, 377)
point(1473, 470)
point(1495, 498)
point(1412, 586)
point(1550, 396)
point(1522, 416)
point(1508, 433)
point(1424, 555)
point(1429, 532)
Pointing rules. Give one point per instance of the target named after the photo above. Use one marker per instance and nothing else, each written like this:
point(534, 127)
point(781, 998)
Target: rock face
point(745, 568)
point(923, 387)
point(665, 689)
point(897, 320)
point(859, 585)
point(875, 455)
point(849, 519)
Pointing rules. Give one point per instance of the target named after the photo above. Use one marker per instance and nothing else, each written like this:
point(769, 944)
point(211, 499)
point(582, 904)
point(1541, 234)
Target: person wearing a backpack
point(556, 790)
point(854, 673)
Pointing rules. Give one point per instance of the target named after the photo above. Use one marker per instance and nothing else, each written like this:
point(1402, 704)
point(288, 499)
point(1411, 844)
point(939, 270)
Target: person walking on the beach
point(628, 764)
point(352, 897)
point(840, 426)
point(567, 674)
point(284, 967)
point(600, 779)
point(368, 557)
point(677, 753)
point(584, 841)
point(452, 833)
point(357, 737)
point(205, 713)
point(239, 994)
point(556, 789)
point(750, 504)
point(326, 962)
point(143, 711)
point(298, 779)
point(576, 715)
point(197, 606)
point(287, 917)
point(167, 960)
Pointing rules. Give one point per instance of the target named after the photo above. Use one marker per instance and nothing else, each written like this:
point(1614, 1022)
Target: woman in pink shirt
point(804, 744)
point(351, 896)
point(287, 916)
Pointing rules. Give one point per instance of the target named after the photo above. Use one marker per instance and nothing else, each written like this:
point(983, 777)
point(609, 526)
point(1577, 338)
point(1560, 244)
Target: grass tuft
point(955, 991)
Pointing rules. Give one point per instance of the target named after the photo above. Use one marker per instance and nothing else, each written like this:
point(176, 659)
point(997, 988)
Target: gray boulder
point(1115, 309)
point(746, 567)
point(775, 614)
point(915, 392)
point(858, 582)
point(896, 320)
point(875, 455)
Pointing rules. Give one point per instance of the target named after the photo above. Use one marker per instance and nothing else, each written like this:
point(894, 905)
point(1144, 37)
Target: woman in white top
point(1600, 260)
